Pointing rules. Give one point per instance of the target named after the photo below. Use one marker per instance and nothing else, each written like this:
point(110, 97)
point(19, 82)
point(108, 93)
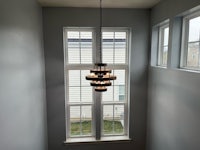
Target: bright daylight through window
point(163, 45)
point(90, 114)
point(191, 42)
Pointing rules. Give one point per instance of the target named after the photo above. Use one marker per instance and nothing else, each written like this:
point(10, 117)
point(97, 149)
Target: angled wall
point(22, 84)
point(174, 97)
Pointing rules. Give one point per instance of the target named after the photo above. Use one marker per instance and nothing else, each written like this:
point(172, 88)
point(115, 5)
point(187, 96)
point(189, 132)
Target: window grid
point(81, 67)
point(190, 56)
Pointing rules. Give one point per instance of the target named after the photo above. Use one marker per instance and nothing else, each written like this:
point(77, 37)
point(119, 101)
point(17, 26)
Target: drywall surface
point(22, 84)
point(54, 20)
point(173, 94)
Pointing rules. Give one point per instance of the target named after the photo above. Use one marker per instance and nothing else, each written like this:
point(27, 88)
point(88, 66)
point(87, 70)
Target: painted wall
point(174, 97)
point(22, 84)
point(54, 20)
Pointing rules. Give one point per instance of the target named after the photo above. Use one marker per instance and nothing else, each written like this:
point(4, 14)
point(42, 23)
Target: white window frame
point(125, 67)
point(97, 113)
point(161, 28)
point(184, 43)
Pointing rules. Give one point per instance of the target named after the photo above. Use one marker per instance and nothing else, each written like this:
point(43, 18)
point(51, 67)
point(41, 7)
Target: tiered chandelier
point(100, 76)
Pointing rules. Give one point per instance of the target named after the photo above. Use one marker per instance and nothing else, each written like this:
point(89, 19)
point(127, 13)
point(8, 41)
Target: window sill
point(160, 67)
point(188, 70)
point(92, 140)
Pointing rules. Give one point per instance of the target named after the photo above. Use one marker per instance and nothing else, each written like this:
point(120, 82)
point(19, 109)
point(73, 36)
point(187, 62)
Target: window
point(163, 45)
point(191, 42)
point(90, 115)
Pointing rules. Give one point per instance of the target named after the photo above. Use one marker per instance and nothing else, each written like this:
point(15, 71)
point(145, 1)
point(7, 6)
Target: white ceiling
point(96, 3)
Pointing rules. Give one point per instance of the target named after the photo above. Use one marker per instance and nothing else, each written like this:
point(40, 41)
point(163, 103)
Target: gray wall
point(174, 97)
point(54, 21)
point(22, 84)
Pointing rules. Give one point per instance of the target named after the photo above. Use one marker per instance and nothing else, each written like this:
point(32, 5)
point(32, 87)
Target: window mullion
point(98, 115)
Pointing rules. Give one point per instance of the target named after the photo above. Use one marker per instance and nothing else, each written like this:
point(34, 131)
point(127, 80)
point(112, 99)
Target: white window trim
point(184, 41)
point(161, 27)
point(67, 67)
point(96, 137)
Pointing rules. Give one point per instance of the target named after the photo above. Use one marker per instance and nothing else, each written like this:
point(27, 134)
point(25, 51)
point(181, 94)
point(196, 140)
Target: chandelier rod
point(100, 30)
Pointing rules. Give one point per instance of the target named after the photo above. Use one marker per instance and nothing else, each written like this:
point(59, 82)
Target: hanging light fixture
point(100, 76)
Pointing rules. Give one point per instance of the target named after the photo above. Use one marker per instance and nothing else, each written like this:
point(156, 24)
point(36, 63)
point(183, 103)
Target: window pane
point(120, 77)
point(84, 82)
point(86, 47)
point(193, 55)
point(86, 120)
point(75, 126)
point(86, 55)
point(120, 35)
point(194, 29)
point(108, 123)
point(120, 55)
point(166, 36)
point(113, 119)
point(118, 119)
point(114, 47)
point(119, 93)
point(73, 35)
point(163, 45)
point(108, 55)
point(86, 94)
point(74, 78)
point(73, 55)
point(108, 35)
point(164, 57)
point(79, 47)
point(74, 94)
point(108, 95)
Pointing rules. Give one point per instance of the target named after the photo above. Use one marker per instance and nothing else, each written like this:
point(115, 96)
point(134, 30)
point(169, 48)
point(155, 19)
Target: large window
point(91, 115)
point(163, 44)
point(191, 42)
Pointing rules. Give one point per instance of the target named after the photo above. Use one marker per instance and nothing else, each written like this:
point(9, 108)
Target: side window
point(191, 42)
point(163, 45)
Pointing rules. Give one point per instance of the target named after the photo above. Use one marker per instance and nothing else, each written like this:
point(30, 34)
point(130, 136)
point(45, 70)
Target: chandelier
point(100, 76)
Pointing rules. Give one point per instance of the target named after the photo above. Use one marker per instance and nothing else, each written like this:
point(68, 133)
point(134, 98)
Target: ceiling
point(96, 3)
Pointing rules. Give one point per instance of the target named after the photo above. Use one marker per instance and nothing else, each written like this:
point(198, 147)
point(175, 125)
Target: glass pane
point(73, 55)
point(119, 93)
point(108, 123)
point(86, 120)
point(120, 35)
point(86, 94)
point(166, 36)
point(86, 34)
point(74, 78)
point(73, 35)
point(194, 29)
point(86, 55)
point(86, 47)
point(84, 82)
point(120, 77)
point(118, 119)
point(107, 47)
point(75, 126)
point(164, 57)
point(79, 47)
point(120, 55)
point(74, 94)
point(108, 55)
point(193, 55)
point(108, 95)
point(108, 35)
